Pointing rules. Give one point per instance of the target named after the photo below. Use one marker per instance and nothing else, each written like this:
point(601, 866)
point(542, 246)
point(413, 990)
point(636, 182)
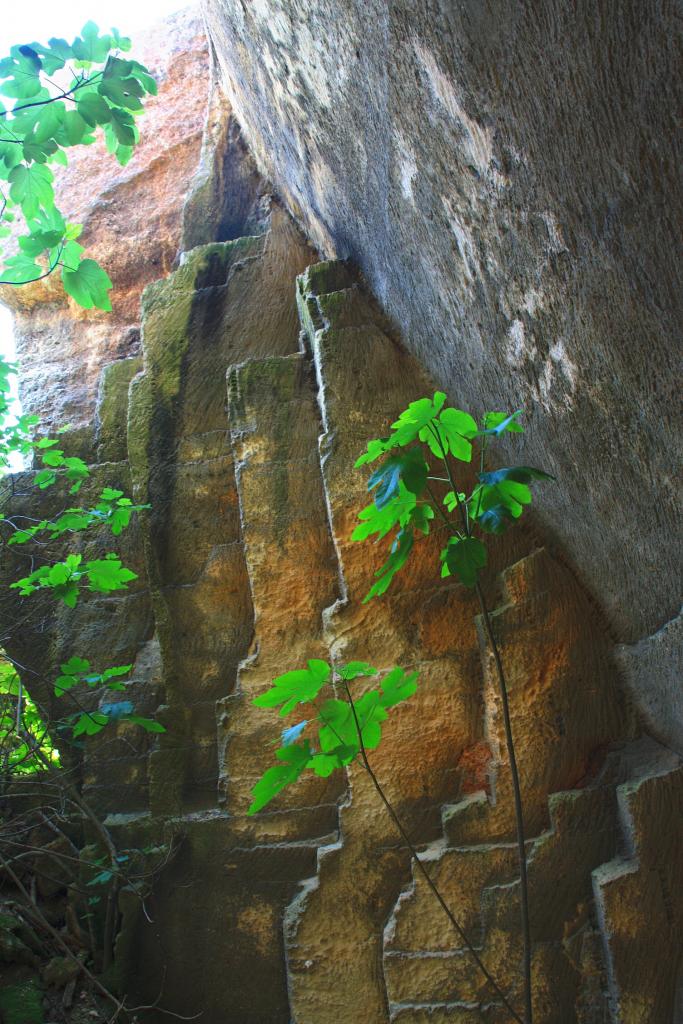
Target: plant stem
point(420, 866)
point(517, 792)
point(519, 810)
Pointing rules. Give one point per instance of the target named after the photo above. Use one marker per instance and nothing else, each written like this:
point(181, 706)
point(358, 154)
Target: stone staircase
point(579, 754)
point(246, 569)
point(429, 977)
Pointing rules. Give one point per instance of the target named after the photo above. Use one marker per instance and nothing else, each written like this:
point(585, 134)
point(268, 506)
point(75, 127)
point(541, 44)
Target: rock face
point(132, 224)
point(505, 177)
point(262, 373)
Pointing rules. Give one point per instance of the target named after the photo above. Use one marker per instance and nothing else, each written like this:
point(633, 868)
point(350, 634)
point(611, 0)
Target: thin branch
point(64, 95)
point(519, 809)
point(33, 280)
point(420, 866)
point(56, 937)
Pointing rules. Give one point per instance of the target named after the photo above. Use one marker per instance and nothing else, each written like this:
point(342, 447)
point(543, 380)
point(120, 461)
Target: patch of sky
point(40, 20)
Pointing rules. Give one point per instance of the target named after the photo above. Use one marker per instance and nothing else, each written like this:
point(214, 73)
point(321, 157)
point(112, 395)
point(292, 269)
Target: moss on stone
point(21, 999)
point(112, 409)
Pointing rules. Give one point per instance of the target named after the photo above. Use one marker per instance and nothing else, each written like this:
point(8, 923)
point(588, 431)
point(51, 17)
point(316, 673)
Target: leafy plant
point(67, 578)
point(417, 487)
point(331, 738)
point(22, 729)
point(78, 671)
point(27, 733)
point(63, 94)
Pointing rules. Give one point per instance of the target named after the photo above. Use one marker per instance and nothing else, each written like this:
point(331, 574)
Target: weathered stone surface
point(644, 884)
point(111, 421)
point(293, 577)
point(505, 177)
point(215, 937)
point(652, 670)
point(132, 218)
point(309, 911)
point(229, 199)
point(210, 313)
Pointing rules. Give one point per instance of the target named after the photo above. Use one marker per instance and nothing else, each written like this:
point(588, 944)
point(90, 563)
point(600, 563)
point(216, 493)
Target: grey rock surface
point(505, 177)
point(652, 671)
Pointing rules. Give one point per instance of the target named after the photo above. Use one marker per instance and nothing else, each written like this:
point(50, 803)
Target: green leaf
point(45, 478)
point(39, 241)
point(408, 466)
point(124, 154)
point(31, 187)
point(50, 120)
point(354, 669)
point(400, 551)
point(91, 48)
point(420, 518)
point(416, 418)
point(338, 726)
point(501, 496)
point(464, 558)
point(496, 519)
point(54, 458)
point(497, 423)
point(455, 429)
point(297, 687)
point(76, 471)
point(143, 76)
point(324, 764)
point(21, 269)
point(148, 724)
point(458, 422)
point(88, 285)
point(295, 758)
point(123, 126)
point(38, 152)
point(375, 449)
point(108, 574)
point(518, 474)
point(58, 574)
point(22, 71)
point(89, 723)
point(60, 48)
point(116, 670)
point(94, 109)
point(396, 512)
point(398, 686)
point(71, 255)
point(75, 127)
point(121, 42)
point(102, 878)
point(64, 683)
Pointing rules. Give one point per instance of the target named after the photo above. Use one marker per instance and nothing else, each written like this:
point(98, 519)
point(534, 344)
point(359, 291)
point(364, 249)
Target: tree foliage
point(55, 97)
point(423, 441)
point(336, 731)
point(65, 579)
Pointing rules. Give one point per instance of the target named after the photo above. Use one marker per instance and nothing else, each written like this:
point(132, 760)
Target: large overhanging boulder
point(504, 175)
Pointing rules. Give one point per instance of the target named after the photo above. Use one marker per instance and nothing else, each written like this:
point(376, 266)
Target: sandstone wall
point(262, 373)
point(506, 177)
